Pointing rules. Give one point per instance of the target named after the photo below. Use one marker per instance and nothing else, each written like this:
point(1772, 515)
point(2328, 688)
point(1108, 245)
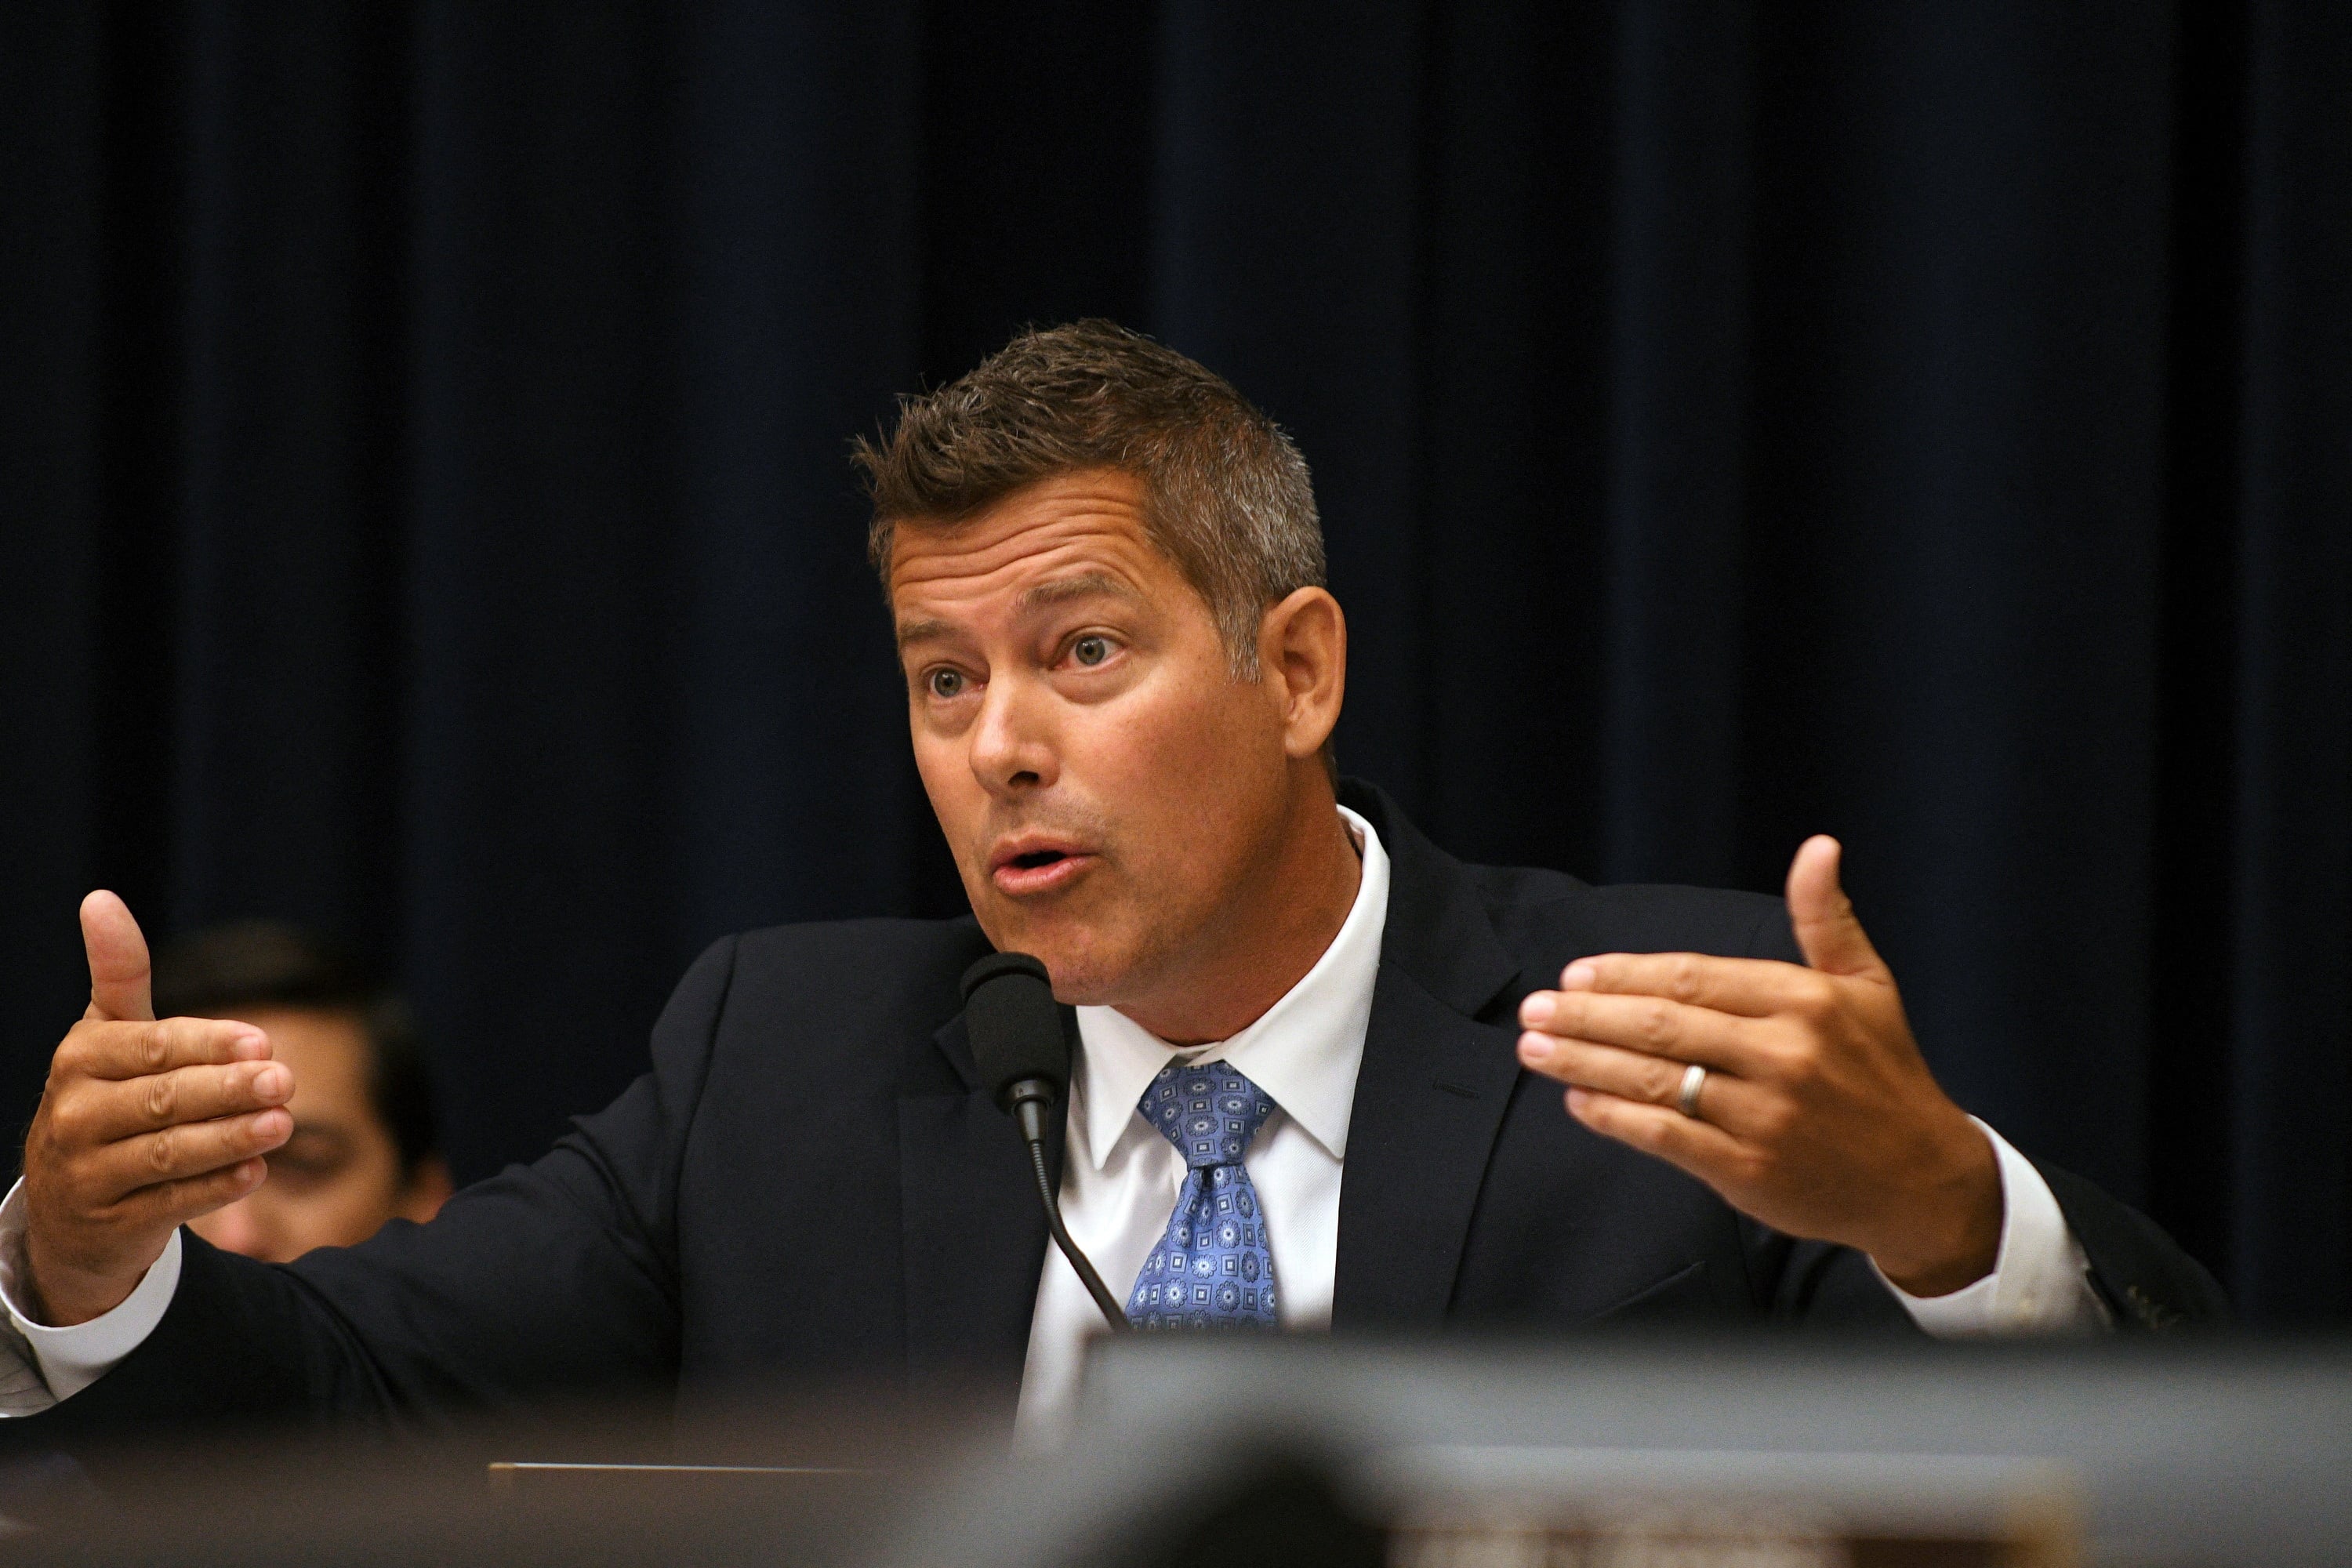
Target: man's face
point(337, 1178)
point(1109, 789)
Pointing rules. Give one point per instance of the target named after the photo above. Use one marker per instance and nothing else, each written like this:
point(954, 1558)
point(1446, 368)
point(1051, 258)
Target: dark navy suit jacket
point(810, 1184)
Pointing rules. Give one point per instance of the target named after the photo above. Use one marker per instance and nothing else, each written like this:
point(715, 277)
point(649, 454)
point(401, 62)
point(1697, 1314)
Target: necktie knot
point(1210, 1112)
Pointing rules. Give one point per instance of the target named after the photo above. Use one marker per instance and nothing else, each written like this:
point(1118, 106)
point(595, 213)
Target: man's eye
point(1090, 651)
point(947, 683)
point(301, 1173)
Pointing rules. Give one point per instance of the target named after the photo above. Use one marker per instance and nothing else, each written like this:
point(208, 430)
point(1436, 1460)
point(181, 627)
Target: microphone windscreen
point(1015, 1023)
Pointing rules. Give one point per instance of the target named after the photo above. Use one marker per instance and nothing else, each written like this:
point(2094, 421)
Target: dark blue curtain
point(425, 513)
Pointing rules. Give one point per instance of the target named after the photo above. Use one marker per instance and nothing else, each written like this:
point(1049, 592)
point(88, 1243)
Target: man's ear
point(1303, 658)
point(428, 1188)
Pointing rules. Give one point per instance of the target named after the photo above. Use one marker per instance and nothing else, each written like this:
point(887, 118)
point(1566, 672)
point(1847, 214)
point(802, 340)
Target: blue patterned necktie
point(1212, 1270)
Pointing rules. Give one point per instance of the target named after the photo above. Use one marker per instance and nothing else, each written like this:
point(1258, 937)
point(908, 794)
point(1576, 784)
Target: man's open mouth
point(1020, 868)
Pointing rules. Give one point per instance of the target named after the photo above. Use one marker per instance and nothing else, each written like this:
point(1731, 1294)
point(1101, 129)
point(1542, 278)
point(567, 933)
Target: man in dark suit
point(1312, 1088)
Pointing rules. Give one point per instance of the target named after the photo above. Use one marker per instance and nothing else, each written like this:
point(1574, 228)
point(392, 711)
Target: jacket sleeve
point(557, 1276)
point(2150, 1284)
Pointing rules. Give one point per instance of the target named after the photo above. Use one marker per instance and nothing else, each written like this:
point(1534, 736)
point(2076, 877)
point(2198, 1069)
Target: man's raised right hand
point(143, 1125)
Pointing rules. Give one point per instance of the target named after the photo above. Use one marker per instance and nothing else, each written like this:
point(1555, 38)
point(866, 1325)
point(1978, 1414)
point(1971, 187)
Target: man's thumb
point(1832, 938)
point(118, 960)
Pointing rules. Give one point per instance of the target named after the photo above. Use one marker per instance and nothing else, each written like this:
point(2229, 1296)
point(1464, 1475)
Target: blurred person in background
point(363, 1149)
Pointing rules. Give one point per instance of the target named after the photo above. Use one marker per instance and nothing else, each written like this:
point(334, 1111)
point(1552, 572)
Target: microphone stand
point(1031, 1098)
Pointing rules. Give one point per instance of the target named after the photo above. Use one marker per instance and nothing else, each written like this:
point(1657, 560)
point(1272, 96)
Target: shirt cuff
point(2040, 1281)
point(70, 1359)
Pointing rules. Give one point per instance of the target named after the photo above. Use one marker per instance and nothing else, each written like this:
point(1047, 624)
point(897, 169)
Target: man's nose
point(1011, 743)
point(238, 1228)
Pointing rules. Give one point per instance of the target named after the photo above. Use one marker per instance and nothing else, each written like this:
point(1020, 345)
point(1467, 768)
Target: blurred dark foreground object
point(1307, 1453)
point(1799, 1451)
point(618, 1484)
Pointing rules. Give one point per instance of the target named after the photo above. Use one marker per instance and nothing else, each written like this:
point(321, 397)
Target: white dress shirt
point(1120, 1181)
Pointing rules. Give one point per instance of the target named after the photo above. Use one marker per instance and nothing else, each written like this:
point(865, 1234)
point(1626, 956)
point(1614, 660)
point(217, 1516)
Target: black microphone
point(1023, 1055)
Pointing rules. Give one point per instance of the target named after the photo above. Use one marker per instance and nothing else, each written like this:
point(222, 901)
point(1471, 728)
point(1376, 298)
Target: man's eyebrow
point(921, 631)
point(1061, 590)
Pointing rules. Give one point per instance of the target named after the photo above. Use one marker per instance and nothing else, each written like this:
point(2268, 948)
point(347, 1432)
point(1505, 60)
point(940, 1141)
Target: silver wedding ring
point(1686, 1098)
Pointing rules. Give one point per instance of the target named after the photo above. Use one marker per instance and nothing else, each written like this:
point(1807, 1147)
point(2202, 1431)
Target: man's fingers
point(1650, 1025)
point(1704, 1150)
point(1730, 1103)
point(190, 1148)
point(118, 987)
point(1823, 916)
point(111, 1111)
point(122, 1051)
point(1750, 987)
point(175, 1203)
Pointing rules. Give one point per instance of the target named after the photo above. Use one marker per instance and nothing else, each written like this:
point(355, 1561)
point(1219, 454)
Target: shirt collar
point(1302, 1051)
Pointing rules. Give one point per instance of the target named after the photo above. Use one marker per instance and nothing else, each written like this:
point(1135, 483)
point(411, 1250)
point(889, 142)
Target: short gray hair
point(1227, 496)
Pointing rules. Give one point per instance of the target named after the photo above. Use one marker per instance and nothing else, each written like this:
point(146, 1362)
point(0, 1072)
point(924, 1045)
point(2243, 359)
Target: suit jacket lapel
point(974, 1234)
point(1437, 1075)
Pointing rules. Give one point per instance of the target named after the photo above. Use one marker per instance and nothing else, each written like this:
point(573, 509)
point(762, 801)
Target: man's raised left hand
point(1818, 1116)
